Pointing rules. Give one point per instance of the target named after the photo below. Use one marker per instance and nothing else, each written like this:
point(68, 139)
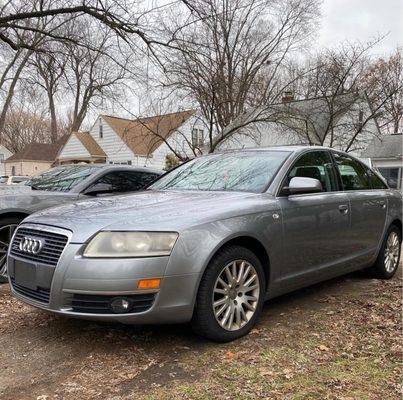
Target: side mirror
point(98, 188)
point(300, 185)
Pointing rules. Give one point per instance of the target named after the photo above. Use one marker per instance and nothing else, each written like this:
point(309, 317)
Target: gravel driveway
point(336, 340)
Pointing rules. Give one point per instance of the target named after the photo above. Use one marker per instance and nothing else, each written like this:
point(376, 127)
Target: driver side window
point(127, 181)
point(317, 165)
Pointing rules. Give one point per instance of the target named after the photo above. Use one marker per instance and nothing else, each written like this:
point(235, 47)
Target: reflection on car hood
point(24, 199)
point(149, 210)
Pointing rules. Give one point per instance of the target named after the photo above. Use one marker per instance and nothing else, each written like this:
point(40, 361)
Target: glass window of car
point(19, 179)
point(352, 173)
point(391, 175)
point(127, 181)
point(61, 179)
point(375, 180)
point(250, 171)
point(317, 165)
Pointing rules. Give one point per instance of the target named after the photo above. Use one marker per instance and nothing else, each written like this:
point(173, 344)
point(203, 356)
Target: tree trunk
point(10, 93)
point(53, 118)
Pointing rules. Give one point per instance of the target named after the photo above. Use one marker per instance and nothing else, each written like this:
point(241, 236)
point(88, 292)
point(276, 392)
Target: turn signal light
point(149, 283)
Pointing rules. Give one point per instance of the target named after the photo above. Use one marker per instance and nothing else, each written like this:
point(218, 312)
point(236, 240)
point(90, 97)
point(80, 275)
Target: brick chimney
point(287, 97)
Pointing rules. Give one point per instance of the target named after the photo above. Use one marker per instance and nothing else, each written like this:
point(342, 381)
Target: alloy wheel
point(391, 256)
point(6, 233)
point(236, 295)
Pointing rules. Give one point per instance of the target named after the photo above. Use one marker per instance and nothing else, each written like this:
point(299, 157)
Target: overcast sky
point(362, 19)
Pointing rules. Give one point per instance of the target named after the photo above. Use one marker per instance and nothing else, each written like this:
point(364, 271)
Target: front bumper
point(75, 275)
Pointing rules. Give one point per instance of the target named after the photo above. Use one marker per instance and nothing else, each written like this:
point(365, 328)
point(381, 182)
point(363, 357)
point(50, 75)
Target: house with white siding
point(140, 142)
point(4, 154)
point(323, 121)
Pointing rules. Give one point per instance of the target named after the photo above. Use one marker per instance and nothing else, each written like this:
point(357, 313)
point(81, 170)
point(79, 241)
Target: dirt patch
point(337, 340)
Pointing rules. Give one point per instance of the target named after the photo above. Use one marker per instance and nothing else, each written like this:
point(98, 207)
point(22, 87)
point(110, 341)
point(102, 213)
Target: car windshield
point(249, 171)
point(60, 179)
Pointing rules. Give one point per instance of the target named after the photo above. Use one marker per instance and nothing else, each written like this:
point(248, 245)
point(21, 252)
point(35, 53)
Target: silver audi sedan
point(210, 241)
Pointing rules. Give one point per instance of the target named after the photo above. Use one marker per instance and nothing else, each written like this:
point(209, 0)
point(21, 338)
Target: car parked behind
point(13, 180)
point(62, 185)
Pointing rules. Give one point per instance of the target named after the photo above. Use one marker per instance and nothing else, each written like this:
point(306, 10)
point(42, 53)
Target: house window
point(101, 130)
point(13, 170)
point(1, 158)
point(197, 137)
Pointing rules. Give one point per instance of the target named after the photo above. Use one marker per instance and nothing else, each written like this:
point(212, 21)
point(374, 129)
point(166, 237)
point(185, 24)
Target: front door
point(316, 226)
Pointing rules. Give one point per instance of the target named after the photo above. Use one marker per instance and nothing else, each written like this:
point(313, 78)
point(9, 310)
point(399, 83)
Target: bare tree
point(93, 77)
point(122, 17)
point(26, 122)
point(383, 82)
point(339, 112)
point(47, 72)
point(231, 54)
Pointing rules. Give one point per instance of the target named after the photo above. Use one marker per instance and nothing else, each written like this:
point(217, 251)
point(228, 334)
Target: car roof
point(289, 148)
point(111, 167)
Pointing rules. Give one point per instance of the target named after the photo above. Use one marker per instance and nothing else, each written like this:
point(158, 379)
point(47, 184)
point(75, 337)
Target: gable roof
point(144, 135)
point(311, 113)
point(385, 146)
point(90, 144)
point(45, 152)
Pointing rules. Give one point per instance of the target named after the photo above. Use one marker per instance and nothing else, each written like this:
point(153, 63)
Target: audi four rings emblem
point(31, 245)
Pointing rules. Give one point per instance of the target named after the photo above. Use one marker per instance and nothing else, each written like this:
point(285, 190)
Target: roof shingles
point(93, 148)
point(45, 152)
point(144, 135)
point(386, 146)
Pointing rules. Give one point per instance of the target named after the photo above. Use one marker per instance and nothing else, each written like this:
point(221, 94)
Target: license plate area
point(25, 274)
point(30, 275)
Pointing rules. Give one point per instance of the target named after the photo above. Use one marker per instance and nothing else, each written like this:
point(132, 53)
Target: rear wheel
point(7, 228)
point(230, 296)
point(389, 255)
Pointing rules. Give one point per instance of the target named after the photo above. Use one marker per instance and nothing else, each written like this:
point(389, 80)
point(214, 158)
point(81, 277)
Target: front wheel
point(7, 228)
point(230, 296)
point(389, 255)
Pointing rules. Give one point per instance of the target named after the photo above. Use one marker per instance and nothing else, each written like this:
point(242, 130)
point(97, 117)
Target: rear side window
point(391, 175)
point(376, 181)
point(317, 165)
point(352, 173)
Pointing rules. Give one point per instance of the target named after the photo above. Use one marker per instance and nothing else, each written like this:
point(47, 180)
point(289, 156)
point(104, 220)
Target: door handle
point(382, 204)
point(343, 208)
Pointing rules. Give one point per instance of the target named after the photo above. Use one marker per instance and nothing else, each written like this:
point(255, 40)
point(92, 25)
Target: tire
point(7, 227)
point(237, 297)
point(381, 269)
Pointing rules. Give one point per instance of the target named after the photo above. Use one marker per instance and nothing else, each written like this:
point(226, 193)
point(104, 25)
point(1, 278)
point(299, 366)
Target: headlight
point(131, 244)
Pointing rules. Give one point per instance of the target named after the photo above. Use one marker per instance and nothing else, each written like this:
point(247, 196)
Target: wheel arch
point(397, 222)
point(251, 243)
point(14, 214)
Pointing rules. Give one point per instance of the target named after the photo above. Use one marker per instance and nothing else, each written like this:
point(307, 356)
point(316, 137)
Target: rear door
point(315, 226)
point(366, 193)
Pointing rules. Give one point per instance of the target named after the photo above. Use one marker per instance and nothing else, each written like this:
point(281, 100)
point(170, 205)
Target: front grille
point(95, 304)
point(40, 294)
point(54, 244)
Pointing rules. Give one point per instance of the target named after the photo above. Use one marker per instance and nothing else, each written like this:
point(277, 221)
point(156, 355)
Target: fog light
point(120, 305)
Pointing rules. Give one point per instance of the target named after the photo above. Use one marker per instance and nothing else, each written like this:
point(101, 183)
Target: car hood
point(148, 210)
point(24, 199)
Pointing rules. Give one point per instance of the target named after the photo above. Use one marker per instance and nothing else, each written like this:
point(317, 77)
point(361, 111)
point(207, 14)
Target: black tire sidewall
point(379, 268)
point(204, 321)
point(8, 221)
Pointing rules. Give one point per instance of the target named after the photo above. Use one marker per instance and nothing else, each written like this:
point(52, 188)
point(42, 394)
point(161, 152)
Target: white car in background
point(13, 180)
